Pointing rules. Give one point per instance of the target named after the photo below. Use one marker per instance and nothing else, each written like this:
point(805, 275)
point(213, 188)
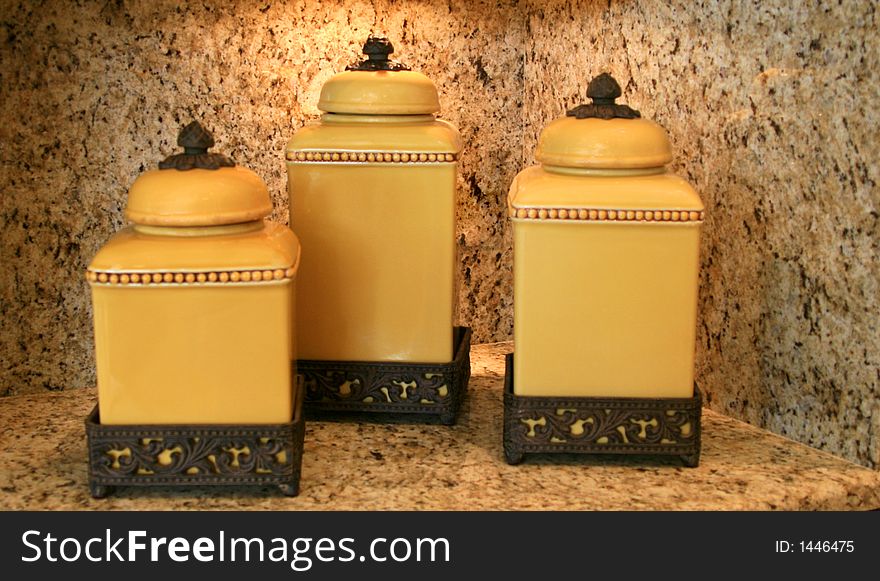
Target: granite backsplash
point(771, 107)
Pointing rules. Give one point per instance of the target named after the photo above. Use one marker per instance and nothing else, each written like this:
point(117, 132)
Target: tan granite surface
point(405, 466)
point(771, 106)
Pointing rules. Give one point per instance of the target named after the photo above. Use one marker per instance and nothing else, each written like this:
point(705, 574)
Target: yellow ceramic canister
point(194, 302)
point(606, 259)
point(372, 190)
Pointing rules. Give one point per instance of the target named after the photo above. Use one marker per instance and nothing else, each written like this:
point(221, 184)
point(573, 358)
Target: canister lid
point(379, 86)
point(604, 134)
point(197, 188)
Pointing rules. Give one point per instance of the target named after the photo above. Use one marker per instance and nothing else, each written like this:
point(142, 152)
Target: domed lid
point(379, 86)
point(197, 188)
point(603, 134)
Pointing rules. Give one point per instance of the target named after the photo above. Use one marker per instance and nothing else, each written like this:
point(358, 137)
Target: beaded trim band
point(605, 215)
point(370, 157)
point(189, 278)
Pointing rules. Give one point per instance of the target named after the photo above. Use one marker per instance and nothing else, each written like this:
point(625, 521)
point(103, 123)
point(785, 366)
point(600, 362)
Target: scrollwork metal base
point(195, 455)
point(398, 389)
point(600, 425)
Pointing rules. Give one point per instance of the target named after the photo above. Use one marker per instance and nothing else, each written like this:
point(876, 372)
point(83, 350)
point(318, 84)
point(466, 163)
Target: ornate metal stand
point(427, 389)
point(195, 455)
point(600, 425)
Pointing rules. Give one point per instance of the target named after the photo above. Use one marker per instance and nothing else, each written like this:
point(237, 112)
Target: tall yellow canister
point(372, 189)
point(194, 317)
point(606, 264)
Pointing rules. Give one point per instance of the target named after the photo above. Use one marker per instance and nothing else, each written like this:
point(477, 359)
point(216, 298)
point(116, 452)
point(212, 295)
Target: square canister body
point(606, 278)
point(374, 207)
point(195, 329)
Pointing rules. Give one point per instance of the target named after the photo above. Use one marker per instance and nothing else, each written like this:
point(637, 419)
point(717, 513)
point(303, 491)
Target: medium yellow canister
point(606, 259)
point(193, 303)
point(372, 190)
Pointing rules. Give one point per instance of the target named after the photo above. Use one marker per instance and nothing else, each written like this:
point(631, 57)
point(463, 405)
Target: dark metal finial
point(377, 49)
point(602, 91)
point(195, 141)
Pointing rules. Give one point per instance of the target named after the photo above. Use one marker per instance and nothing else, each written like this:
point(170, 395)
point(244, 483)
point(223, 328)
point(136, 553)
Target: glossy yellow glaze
point(379, 93)
point(604, 307)
point(270, 246)
point(198, 197)
point(199, 353)
point(194, 355)
point(535, 187)
point(603, 143)
point(370, 133)
point(377, 277)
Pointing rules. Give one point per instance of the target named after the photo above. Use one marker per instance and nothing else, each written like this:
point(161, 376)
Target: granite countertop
point(407, 466)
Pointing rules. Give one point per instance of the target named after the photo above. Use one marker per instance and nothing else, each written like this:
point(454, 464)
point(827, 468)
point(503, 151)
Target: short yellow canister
point(606, 259)
point(372, 191)
point(194, 302)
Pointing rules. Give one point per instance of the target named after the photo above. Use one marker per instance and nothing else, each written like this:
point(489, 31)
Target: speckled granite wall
point(772, 111)
point(94, 93)
point(771, 106)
